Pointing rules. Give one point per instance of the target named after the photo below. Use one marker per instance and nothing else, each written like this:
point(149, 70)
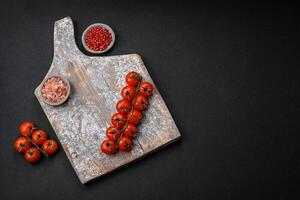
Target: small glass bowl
point(62, 100)
point(95, 25)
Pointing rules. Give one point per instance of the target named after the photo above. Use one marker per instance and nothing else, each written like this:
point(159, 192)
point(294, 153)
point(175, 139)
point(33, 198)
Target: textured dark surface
point(228, 74)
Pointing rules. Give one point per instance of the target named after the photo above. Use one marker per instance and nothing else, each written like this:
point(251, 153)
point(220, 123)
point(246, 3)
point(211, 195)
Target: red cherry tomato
point(50, 147)
point(130, 131)
point(123, 106)
point(39, 136)
point(26, 128)
point(125, 144)
point(22, 144)
point(128, 93)
point(133, 79)
point(134, 117)
point(32, 155)
point(108, 147)
point(113, 134)
point(140, 103)
point(146, 89)
point(118, 120)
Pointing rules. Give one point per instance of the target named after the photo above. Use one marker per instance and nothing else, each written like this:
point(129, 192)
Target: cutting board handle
point(64, 37)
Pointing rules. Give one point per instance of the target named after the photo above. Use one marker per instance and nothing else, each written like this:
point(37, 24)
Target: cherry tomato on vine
point(26, 128)
point(39, 136)
point(118, 120)
point(134, 117)
point(50, 147)
point(22, 144)
point(108, 147)
point(130, 131)
point(32, 155)
point(125, 144)
point(133, 79)
point(113, 134)
point(123, 106)
point(146, 89)
point(140, 103)
point(128, 93)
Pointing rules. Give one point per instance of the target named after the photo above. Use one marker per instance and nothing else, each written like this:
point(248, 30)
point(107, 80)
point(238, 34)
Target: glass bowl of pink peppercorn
point(98, 38)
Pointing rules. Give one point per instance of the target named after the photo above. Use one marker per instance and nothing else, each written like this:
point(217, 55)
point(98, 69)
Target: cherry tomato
point(123, 106)
point(134, 117)
point(108, 147)
point(113, 134)
point(22, 144)
point(50, 147)
point(26, 128)
point(39, 136)
point(128, 93)
point(118, 120)
point(125, 144)
point(140, 103)
point(146, 89)
point(130, 131)
point(133, 79)
point(32, 155)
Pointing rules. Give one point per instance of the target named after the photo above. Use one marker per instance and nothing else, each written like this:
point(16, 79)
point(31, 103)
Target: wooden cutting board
point(81, 122)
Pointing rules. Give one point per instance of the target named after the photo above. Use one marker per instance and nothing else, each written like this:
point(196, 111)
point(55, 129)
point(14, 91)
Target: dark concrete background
point(228, 73)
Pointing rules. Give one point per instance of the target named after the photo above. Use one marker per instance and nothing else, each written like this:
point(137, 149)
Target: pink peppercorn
point(98, 38)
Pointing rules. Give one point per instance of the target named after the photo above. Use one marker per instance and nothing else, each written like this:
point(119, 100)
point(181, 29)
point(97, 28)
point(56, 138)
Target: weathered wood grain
point(96, 82)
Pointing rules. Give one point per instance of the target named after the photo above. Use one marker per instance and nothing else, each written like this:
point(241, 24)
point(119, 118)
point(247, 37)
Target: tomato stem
point(36, 145)
point(131, 109)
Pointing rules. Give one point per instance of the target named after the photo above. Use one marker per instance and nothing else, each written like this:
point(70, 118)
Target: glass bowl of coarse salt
point(55, 90)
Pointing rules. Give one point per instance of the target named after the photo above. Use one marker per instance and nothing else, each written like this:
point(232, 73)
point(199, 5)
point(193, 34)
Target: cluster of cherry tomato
point(36, 137)
point(123, 123)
